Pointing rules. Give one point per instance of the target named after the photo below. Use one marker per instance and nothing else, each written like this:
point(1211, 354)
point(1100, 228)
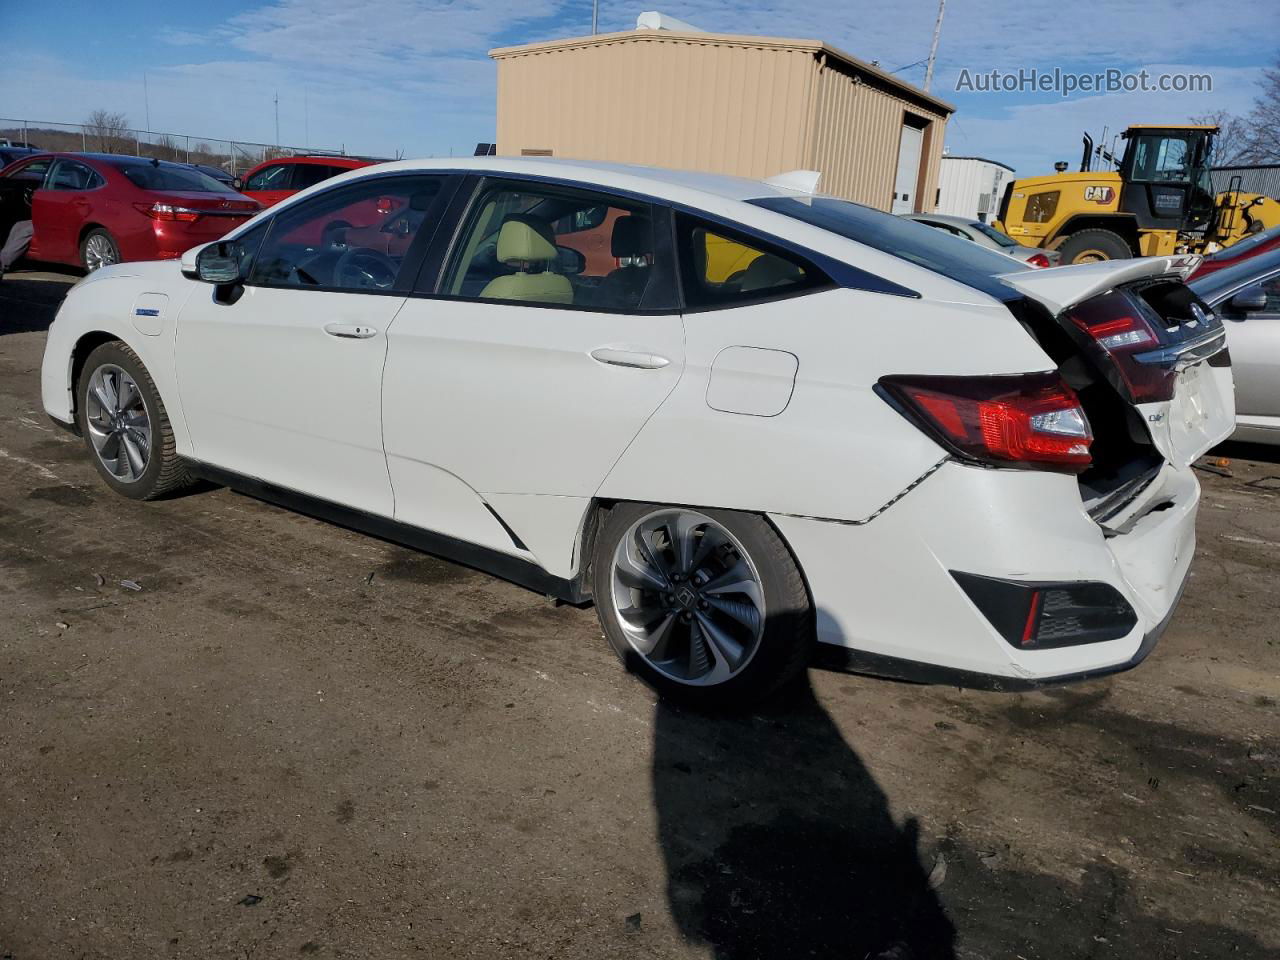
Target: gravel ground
point(227, 730)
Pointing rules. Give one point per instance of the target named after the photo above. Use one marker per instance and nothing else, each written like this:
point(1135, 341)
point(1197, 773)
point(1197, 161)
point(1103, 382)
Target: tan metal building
point(751, 106)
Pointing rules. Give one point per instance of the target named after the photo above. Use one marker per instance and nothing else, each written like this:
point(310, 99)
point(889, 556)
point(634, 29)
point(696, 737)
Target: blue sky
point(381, 76)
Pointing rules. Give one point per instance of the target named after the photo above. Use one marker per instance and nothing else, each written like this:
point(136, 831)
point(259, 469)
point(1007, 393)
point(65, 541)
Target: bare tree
point(108, 130)
point(1231, 145)
point(1264, 119)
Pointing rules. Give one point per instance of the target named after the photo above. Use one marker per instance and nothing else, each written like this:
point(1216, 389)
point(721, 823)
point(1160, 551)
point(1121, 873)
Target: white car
point(757, 427)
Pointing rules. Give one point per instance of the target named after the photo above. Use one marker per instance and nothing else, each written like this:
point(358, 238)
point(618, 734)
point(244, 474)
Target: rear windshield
point(166, 177)
point(992, 233)
point(928, 247)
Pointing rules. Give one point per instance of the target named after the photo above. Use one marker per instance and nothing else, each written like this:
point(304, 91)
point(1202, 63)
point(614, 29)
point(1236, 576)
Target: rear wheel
point(98, 249)
point(125, 425)
point(708, 606)
point(1092, 246)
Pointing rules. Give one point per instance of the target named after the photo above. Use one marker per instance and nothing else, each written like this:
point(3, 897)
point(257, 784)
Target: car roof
point(113, 159)
point(329, 160)
point(1212, 284)
point(675, 185)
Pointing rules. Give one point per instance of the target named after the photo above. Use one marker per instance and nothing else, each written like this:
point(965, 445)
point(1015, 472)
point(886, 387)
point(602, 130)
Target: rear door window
point(73, 175)
point(721, 267)
point(309, 174)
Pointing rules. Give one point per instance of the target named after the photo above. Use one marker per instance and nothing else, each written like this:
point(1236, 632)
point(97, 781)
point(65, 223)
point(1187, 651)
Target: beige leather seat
point(528, 244)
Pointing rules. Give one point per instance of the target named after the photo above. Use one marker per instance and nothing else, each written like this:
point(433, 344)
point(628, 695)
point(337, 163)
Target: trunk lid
point(210, 204)
point(1160, 347)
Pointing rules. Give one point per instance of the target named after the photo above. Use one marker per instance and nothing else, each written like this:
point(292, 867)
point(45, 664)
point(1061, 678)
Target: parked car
point(95, 209)
point(987, 236)
point(217, 173)
point(871, 445)
point(8, 154)
point(1247, 297)
point(274, 180)
point(1252, 246)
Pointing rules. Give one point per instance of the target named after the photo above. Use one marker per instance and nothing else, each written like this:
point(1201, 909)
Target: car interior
point(323, 249)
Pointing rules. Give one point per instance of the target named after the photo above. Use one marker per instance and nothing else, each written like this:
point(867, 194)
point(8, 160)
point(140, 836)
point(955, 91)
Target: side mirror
point(220, 262)
point(1250, 299)
point(238, 183)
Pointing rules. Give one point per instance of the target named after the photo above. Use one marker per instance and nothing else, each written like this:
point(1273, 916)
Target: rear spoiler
point(1060, 288)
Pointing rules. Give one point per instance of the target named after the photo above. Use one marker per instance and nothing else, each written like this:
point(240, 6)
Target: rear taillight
point(1118, 327)
point(1033, 420)
point(167, 211)
point(1038, 260)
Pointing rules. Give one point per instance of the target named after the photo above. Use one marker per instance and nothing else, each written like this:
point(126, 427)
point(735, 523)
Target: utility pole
point(277, 101)
point(595, 16)
point(933, 47)
point(146, 100)
point(306, 118)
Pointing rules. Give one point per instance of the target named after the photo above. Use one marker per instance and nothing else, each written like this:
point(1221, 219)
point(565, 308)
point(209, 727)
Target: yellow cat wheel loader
point(1158, 200)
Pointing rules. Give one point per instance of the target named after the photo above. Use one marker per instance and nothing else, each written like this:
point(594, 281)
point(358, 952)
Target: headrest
point(525, 239)
point(632, 237)
point(767, 271)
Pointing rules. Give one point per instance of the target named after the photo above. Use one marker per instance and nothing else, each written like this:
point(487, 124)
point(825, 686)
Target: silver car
point(988, 236)
point(1247, 297)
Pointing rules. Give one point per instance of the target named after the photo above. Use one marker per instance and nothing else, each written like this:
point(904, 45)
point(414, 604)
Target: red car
point(1239, 252)
point(91, 210)
point(273, 180)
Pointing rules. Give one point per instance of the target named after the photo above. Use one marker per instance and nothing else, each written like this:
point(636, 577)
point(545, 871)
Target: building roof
point(849, 62)
point(994, 163)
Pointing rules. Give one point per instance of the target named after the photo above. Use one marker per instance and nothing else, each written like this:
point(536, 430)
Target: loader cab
point(1165, 171)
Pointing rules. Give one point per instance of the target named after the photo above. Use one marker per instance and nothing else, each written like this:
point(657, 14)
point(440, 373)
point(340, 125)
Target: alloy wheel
point(99, 252)
point(117, 422)
point(687, 596)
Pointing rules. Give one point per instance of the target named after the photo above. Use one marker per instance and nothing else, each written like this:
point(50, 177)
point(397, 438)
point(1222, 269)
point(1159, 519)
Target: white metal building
point(971, 187)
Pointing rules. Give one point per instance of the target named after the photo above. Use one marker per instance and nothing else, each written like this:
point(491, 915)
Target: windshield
point(165, 177)
point(992, 233)
point(1214, 285)
point(928, 247)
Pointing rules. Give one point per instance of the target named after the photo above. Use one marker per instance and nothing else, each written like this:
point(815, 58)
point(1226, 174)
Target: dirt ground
point(227, 730)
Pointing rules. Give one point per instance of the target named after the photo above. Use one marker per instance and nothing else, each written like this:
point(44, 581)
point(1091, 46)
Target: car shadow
point(1239, 450)
point(779, 843)
point(29, 302)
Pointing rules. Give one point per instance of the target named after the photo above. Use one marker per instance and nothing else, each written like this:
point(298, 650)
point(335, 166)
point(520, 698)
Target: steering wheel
point(362, 267)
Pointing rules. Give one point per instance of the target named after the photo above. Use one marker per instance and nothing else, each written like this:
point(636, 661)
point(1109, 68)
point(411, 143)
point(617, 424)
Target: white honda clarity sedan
point(756, 426)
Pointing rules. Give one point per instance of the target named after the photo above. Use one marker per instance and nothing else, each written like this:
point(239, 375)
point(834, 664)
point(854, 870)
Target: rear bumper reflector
point(1044, 615)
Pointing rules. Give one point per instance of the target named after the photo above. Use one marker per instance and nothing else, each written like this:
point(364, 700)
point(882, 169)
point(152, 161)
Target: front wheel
point(1093, 246)
point(125, 425)
point(708, 606)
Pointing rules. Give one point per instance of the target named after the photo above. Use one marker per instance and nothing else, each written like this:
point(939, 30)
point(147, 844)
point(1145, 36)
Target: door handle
point(350, 331)
point(639, 359)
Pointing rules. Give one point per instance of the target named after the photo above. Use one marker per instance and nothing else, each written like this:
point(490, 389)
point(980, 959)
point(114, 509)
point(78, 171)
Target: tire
point(163, 471)
point(1090, 246)
point(707, 647)
point(98, 249)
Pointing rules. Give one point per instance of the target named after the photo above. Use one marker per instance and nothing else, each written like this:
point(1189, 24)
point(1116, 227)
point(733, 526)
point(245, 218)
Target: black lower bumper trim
point(831, 656)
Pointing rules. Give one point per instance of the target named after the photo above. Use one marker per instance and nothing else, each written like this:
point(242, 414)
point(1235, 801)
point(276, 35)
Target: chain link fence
point(233, 156)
